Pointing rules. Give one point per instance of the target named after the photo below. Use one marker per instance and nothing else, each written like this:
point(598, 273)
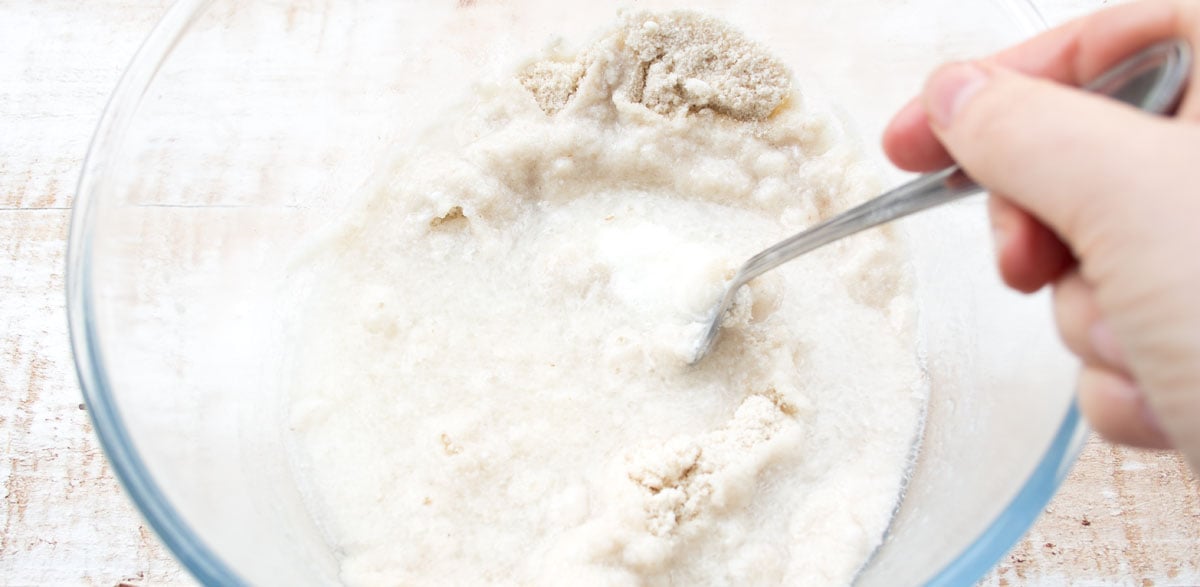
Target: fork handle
point(1152, 80)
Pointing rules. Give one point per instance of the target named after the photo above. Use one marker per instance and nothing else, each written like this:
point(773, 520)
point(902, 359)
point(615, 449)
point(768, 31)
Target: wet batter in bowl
point(492, 375)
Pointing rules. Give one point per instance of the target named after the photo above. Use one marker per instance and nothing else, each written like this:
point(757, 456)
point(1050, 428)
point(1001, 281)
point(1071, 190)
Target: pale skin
point(1095, 199)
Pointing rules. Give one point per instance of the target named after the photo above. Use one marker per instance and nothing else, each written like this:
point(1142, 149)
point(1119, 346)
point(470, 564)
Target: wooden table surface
point(1122, 518)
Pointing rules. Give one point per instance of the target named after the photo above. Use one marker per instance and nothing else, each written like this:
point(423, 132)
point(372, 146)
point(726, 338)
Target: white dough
point(493, 384)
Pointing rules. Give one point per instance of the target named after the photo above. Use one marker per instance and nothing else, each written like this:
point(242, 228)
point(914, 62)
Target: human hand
point(1093, 197)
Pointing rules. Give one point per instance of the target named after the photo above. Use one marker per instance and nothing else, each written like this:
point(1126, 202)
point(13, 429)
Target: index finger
point(1072, 54)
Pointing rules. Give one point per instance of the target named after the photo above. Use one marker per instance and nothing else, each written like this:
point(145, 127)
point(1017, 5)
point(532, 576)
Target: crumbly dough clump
point(672, 63)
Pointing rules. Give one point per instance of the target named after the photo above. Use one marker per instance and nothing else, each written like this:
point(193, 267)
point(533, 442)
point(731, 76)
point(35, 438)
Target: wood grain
point(64, 520)
point(1122, 518)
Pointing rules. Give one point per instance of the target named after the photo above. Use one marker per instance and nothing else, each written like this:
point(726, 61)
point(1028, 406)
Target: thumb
point(1068, 157)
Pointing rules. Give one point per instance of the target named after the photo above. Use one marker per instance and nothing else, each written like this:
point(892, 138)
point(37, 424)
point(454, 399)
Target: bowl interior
point(240, 129)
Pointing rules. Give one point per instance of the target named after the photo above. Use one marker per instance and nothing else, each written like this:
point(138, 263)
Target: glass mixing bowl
point(242, 127)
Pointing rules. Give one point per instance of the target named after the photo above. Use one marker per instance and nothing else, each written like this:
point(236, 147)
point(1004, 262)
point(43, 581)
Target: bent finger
point(1028, 254)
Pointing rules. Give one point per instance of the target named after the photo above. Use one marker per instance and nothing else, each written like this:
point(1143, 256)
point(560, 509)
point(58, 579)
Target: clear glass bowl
point(241, 127)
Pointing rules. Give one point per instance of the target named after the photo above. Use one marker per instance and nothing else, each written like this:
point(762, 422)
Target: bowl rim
point(967, 567)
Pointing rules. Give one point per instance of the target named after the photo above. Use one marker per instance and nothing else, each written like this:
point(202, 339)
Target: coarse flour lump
point(493, 383)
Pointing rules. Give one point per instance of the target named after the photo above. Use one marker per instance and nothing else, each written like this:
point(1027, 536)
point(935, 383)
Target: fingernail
point(1000, 236)
point(950, 88)
point(1126, 391)
point(1104, 343)
point(1151, 419)
point(1147, 413)
point(1002, 224)
point(1130, 391)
